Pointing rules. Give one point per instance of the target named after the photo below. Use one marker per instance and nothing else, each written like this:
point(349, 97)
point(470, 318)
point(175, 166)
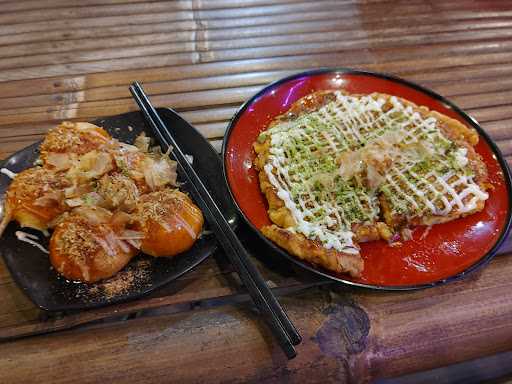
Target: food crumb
point(137, 275)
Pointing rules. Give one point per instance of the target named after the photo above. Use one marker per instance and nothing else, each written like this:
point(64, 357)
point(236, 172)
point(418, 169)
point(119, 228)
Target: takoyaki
point(34, 198)
point(118, 192)
point(169, 221)
point(64, 143)
point(85, 247)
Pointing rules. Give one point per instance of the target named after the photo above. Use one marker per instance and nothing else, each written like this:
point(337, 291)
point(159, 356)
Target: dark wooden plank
point(13, 6)
point(480, 55)
point(500, 129)
point(87, 109)
point(158, 12)
point(259, 36)
point(205, 31)
point(103, 93)
point(82, 19)
point(488, 99)
point(248, 65)
point(154, 88)
point(490, 369)
point(492, 113)
point(95, 63)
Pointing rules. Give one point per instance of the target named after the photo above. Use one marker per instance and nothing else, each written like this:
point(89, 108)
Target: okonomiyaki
point(339, 169)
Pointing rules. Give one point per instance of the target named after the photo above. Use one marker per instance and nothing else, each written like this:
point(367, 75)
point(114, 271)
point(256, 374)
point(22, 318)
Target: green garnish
point(262, 137)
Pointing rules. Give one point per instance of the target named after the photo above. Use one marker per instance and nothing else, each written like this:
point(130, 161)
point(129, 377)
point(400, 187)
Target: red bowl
point(449, 251)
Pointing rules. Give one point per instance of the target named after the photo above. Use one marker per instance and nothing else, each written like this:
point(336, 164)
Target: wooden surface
point(74, 60)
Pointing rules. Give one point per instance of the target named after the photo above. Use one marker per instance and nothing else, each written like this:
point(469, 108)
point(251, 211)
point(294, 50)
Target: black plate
point(32, 270)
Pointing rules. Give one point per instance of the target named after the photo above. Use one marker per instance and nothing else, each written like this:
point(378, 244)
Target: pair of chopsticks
point(275, 316)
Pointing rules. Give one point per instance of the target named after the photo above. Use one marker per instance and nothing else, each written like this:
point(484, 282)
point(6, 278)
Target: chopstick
point(272, 312)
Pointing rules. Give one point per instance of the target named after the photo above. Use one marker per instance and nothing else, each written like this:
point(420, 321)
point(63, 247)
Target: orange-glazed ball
point(85, 247)
point(119, 192)
point(132, 165)
point(150, 171)
point(169, 221)
point(36, 197)
point(68, 140)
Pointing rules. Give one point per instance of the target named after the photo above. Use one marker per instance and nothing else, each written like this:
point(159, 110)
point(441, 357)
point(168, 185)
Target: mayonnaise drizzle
point(304, 148)
point(31, 239)
point(8, 173)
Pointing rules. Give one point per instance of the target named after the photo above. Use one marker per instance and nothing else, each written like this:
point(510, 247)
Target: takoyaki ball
point(91, 166)
point(150, 171)
point(169, 221)
point(159, 172)
point(118, 192)
point(149, 168)
point(64, 143)
point(85, 247)
point(131, 164)
point(35, 197)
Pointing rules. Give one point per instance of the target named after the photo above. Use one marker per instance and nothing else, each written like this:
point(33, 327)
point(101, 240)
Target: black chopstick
point(262, 296)
point(266, 302)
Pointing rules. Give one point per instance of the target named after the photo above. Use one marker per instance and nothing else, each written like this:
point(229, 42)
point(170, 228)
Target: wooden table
point(74, 60)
